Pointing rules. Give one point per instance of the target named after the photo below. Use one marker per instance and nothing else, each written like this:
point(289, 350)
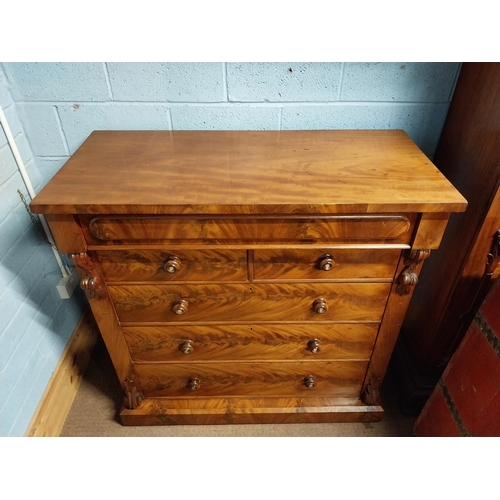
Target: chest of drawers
point(248, 277)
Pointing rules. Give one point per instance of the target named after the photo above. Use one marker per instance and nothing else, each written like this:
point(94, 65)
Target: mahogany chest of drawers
point(248, 277)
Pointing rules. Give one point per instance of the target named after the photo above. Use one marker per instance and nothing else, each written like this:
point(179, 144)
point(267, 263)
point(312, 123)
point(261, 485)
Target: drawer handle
point(172, 265)
point(180, 306)
point(309, 381)
point(320, 306)
point(326, 262)
point(187, 347)
point(314, 346)
point(193, 384)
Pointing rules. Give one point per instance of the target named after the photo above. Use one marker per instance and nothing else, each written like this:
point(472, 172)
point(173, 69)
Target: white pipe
point(24, 174)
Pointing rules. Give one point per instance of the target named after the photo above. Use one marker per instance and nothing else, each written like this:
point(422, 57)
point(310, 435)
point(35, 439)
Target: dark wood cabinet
point(457, 277)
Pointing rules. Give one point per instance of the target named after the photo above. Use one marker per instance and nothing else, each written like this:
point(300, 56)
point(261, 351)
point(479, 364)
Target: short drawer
point(250, 342)
point(321, 378)
point(266, 229)
point(325, 264)
point(350, 302)
point(173, 265)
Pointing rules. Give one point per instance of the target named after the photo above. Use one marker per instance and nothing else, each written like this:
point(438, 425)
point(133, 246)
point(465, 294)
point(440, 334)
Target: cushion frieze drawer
point(350, 302)
point(193, 343)
point(325, 264)
point(321, 378)
point(173, 265)
point(379, 228)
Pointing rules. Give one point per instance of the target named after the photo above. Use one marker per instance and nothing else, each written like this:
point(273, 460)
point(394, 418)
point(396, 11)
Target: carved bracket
point(370, 396)
point(91, 282)
point(133, 396)
point(408, 277)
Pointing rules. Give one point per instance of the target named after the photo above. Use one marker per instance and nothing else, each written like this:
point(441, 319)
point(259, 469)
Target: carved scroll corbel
point(133, 396)
point(371, 395)
point(408, 277)
point(91, 282)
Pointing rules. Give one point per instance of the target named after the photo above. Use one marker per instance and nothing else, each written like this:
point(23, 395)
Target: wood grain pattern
point(390, 228)
point(391, 324)
point(142, 245)
point(235, 303)
point(246, 379)
point(430, 230)
point(67, 233)
point(205, 246)
point(469, 155)
point(250, 342)
point(252, 410)
point(105, 316)
point(195, 265)
point(464, 304)
point(189, 172)
point(348, 264)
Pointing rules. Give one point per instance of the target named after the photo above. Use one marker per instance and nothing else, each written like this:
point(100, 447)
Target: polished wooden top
point(175, 172)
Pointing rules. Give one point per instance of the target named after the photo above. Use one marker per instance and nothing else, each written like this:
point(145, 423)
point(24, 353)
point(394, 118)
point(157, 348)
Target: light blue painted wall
point(53, 107)
point(61, 103)
point(35, 323)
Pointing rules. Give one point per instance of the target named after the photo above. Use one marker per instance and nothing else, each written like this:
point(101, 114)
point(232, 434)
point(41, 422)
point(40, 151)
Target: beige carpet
point(95, 413)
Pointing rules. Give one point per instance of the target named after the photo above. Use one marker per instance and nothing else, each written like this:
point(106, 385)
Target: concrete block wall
point(35, 323)
point(53, 107)
point(61, 103)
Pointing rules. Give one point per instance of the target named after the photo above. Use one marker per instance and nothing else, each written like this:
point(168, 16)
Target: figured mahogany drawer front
point(360, 302)
point(182, 343)
point(325, 264)
point(174, 265)
point(393, 228)
point(321, 378)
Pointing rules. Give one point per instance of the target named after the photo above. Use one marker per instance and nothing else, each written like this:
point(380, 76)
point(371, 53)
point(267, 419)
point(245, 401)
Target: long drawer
point(321, 378)
point(174, 265)
point(358, 302)
point(380, 228)
point(324, 264)
point(194, 343)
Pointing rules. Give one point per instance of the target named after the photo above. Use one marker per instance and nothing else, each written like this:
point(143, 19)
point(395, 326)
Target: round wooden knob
point(326, 262)
point(172, 265)
point(319, 306)
point(180, 307)
point(309, 381)
point(187, 347)
point(314, 346)
point(193, 384)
